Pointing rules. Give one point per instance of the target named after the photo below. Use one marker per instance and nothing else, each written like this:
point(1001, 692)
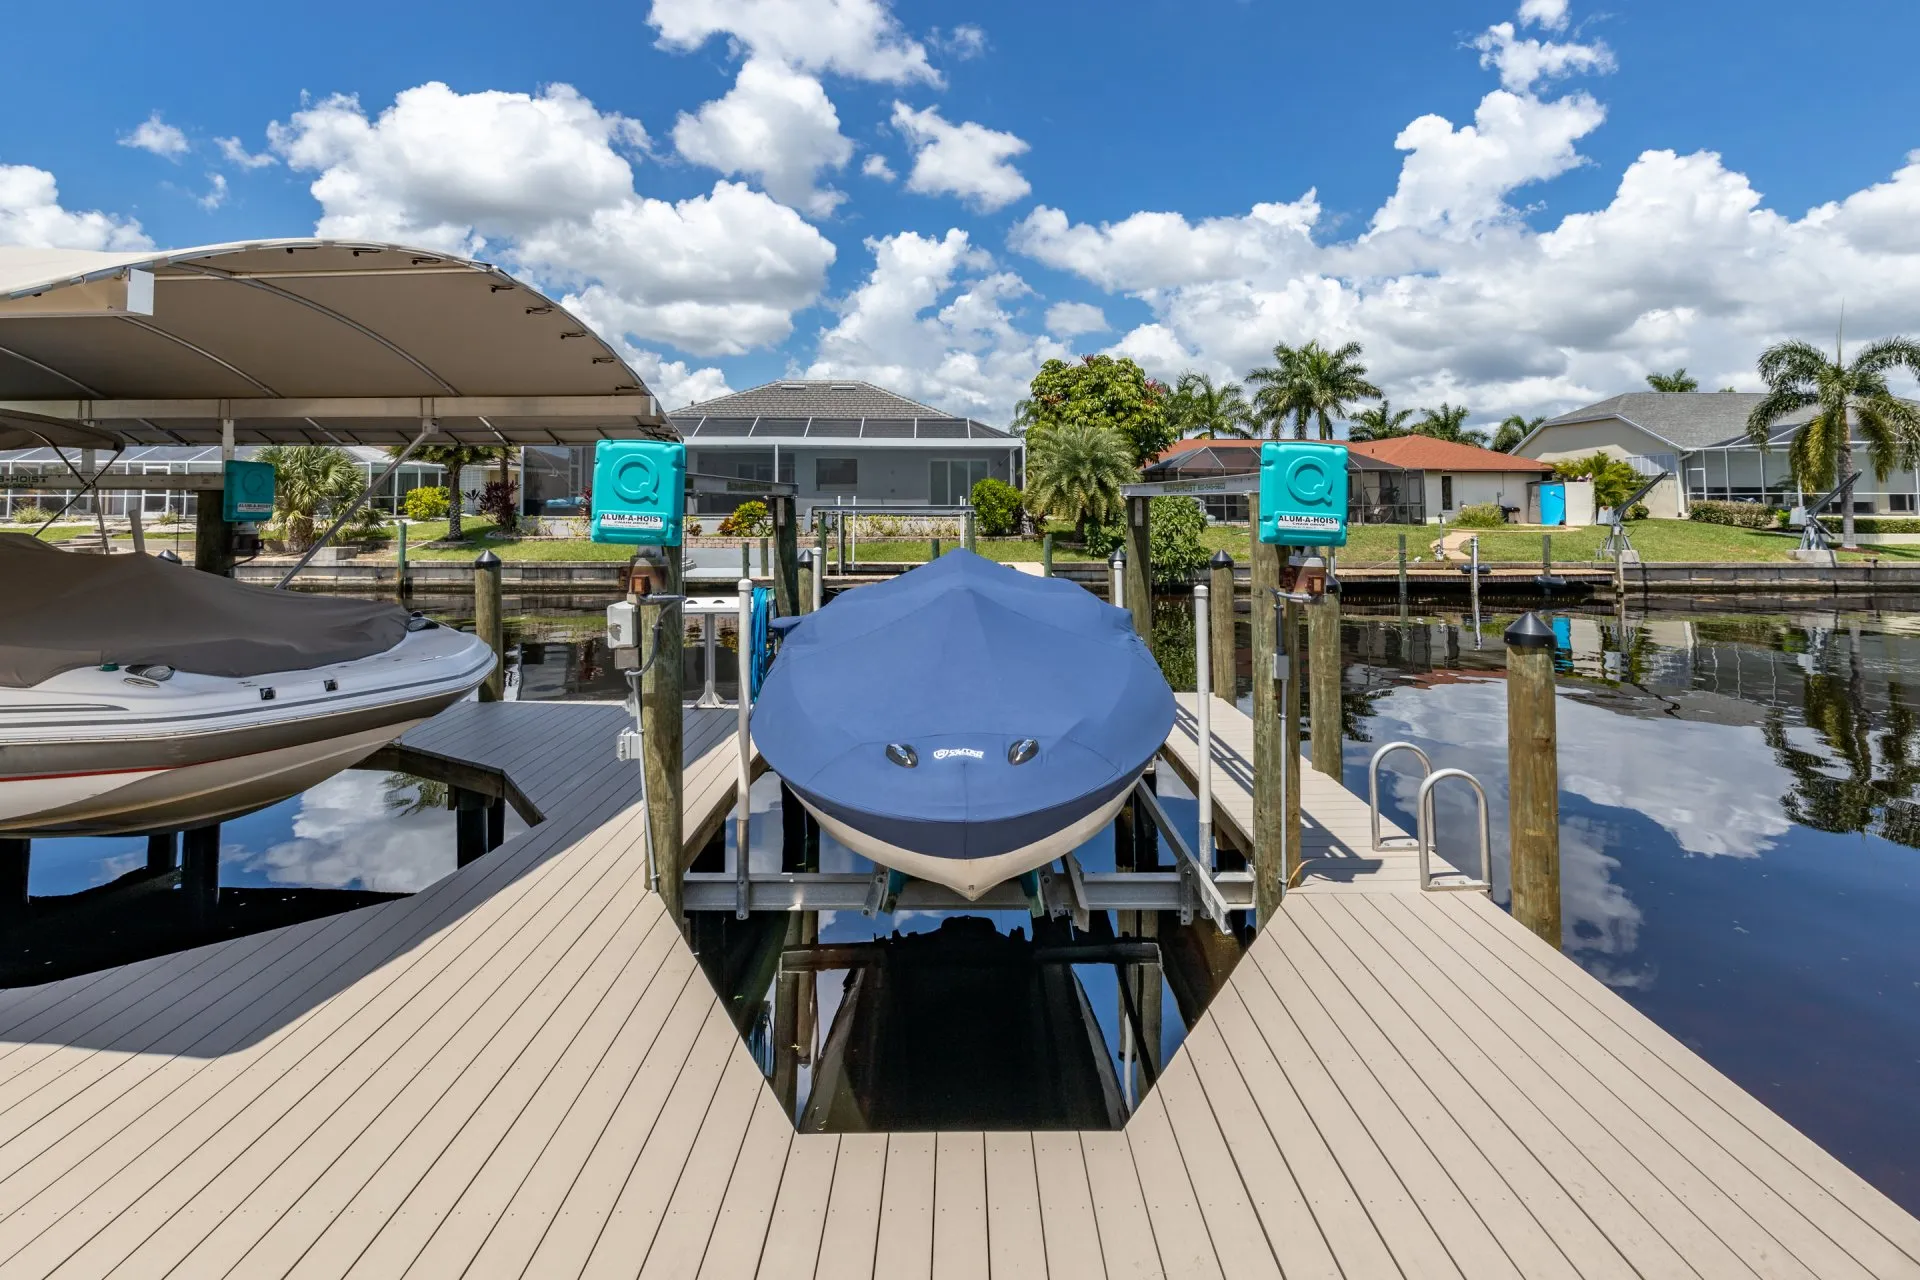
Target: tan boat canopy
point(305, 342)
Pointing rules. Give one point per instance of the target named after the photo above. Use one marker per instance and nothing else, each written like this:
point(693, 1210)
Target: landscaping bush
point(1874, 524)
point(499, 500)
point(31, 515)
point(749, 520)
point(1481, 515)
point(996, 508)
point(1102, 538)
point(1740, 515)
point(1639, 512)
point(1613, 480)
point(425, 504)
point(1176, 527)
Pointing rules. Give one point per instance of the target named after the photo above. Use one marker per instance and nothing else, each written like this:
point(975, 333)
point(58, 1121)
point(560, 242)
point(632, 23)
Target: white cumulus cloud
point(31, 214)
point(546, 183)
point(876, 166)
point(156, 135)
point(857, 38)
point(1524, 63)
point(1551, 14)
point(967, 160)
point(1070, 319)
point(235, 152)
point(216, 192)
point(776, 125)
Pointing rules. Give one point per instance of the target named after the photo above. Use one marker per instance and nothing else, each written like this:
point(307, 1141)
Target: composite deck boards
point(521, 1071)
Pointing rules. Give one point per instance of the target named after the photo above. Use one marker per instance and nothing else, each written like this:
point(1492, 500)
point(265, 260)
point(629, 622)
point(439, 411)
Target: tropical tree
point(1514, 428)
point(1075, 470)
point(1199, 408)
point(309, 481)
point(1843, 396)
point(455, 458)
point(1678, 380)
point(1105, 391)
point(1449, 422)
point(1311, 384)
point(1379, 422)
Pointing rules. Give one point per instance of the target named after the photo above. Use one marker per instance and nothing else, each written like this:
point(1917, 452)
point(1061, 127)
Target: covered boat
point(139, 695)
point(963, 723)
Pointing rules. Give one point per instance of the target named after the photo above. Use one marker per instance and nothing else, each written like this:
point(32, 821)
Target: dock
point(522, 1071)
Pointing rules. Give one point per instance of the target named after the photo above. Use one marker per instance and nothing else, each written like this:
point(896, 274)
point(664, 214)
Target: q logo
point(1309, 481)
point(636, 479)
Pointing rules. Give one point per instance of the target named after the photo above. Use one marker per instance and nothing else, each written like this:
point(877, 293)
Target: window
point(1446, 493)
point(950, 481)
point(836, 473)
point(1862, 507)
point(1900, 502)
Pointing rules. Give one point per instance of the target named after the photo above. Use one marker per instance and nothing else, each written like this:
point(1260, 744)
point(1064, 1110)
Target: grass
point(1658, 541)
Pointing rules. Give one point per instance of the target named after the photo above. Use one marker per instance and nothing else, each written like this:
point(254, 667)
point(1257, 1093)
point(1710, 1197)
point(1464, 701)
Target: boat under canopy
point(964, 722)
point(139, 695)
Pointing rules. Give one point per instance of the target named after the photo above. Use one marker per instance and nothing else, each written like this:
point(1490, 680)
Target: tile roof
point(807, 408)
point(1424, 453)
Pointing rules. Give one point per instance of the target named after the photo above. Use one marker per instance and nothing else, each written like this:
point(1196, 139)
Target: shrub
point(1874, 524)
point(1740, 515)
point(1101, 538)
point(1639, 511)
point(425, 504)
point(498, 499)
point(1176, 527)
point(1613, 480)
point(31, 515)
point(749, 520)
point(1481, 515)
point(996, 508)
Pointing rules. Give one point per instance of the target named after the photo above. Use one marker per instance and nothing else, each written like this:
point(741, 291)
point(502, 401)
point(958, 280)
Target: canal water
point(1740, 854)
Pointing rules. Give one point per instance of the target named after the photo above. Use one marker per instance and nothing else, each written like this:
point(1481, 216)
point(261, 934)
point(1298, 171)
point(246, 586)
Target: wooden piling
point(486, 622)
point(933, 549)
point(806, 580)
point(212, 535)
point(1533, 778)
point(967, 530)
point(16, 857)
point(200, 870)
point(1290, 735)
point(402, 587)
point(469, 826)
point(1139, 569)
point(1046, 555)
point(786, 555)
point(1269, 819)
point(1220, 624)
point(1323, 662)
point(1403, 575)
point(161, 851)
point(662, 636)
point(496, 822)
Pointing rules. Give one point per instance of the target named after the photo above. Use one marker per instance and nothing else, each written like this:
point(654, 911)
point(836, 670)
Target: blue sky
point(1635, 193)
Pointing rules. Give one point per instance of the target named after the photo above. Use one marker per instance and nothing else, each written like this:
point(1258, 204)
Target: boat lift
point(1618, 545)
point(1813, 534)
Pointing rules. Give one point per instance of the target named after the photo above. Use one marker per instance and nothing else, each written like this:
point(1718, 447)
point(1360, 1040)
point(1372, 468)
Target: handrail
point(1424, 809)
point(1373, 792)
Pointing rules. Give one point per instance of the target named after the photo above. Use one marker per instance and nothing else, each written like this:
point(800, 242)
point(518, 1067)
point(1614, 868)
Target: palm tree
point(1448, 422)
point(455, 458)
point(1514, 428)
point(309, 480)
point(1311, 383)
point(1678, 380)
point(1381, 422)
point(1075, 470)
point(1799, 376)
point(1198, 408)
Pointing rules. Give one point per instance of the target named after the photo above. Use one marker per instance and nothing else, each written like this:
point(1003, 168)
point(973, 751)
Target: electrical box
point(639, 492)
point(1303, 494)
point(247, 497)
point(623, 628)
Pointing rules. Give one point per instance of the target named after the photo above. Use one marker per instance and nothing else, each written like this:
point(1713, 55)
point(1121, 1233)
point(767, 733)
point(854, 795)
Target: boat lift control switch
point(639, 492)
point(623, 625)
point(1303, 494)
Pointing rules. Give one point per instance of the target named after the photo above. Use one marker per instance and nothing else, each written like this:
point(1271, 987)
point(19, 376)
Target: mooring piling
point(1203, 717)
point(1323, 664)
point(786, 554)
point(743, 781)
point(806, 581)
point(933, 549)
point(662, 637)
point(200, 870)
point(487, 624)
point(1533, 778)
point(1269, 817)
point(966, 529)
point(1220, 598)
point(161, 850)
point(1139, 567)
point(1403, 577)
point(1116, 578)
point(469, 825)
point(16, 856)
point(1046, 555)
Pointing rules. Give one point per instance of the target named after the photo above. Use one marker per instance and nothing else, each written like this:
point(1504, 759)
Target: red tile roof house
point(1405, 479)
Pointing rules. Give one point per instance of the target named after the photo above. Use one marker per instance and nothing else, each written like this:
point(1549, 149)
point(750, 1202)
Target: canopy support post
point(427, 428)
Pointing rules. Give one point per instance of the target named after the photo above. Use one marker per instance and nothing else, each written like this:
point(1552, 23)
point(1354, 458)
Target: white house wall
point(1572, 441)
point(1508, 488)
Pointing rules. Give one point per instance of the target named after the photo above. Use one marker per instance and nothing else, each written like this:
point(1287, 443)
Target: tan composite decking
point(522, 1071)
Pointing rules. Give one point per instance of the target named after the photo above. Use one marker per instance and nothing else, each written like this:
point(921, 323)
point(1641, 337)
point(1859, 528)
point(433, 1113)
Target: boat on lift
point(963, 723)
point(138, 695)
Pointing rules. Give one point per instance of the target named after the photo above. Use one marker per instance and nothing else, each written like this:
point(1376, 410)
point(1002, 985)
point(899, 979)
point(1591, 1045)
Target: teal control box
point(1303, 494)
point(639, 492)
point(248, 497)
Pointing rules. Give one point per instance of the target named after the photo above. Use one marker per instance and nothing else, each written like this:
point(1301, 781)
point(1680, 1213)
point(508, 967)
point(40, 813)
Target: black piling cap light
point(487, 560)
point(1221, 560)
point(1529, 631)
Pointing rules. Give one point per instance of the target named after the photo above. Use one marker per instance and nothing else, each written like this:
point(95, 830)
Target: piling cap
point(169, 557)
point(1119, 556)
point(1529, 631)
point(487, 560)
point(1221, 560)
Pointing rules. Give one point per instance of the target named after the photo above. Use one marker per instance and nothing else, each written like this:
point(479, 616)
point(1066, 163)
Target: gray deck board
point(521, 1071)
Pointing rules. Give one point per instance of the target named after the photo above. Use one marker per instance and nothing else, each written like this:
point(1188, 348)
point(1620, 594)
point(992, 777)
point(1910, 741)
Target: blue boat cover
point(958, 660)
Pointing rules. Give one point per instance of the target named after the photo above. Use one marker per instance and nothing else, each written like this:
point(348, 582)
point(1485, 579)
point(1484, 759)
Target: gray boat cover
point(60, 610)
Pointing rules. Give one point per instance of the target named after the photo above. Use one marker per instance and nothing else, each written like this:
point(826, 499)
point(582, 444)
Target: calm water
point(1740, 833)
